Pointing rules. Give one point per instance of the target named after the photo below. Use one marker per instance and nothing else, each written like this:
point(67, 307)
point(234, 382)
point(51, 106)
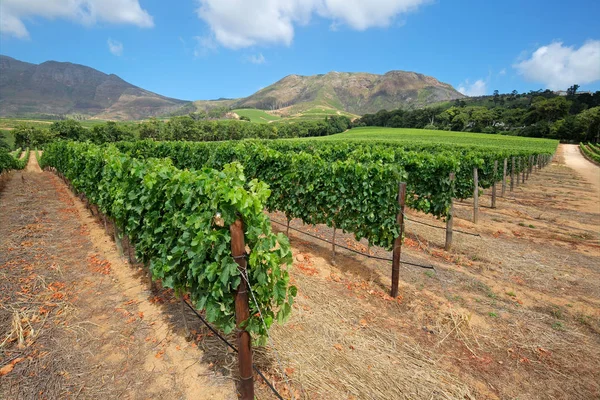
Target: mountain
point(356, 93)
point(65, 89)
point(62, 88)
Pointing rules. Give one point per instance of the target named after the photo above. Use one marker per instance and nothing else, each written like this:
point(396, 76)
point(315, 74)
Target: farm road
point(575, 160)
point(75, 319)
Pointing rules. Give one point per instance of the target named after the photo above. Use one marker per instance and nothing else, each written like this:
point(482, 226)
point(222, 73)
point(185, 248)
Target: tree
point(151, 129)
point(3, 142)
point(589, 121)
point(496, 96)
point(31, 136)
point(69, 129)
point(572, 90)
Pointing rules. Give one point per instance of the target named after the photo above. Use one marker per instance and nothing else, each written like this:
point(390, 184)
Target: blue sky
point(206, 49)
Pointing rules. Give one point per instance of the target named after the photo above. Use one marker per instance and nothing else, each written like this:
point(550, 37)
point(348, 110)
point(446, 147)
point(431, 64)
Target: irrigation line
point(337, 245)
point(440, 227)
point(352, 250)
point(437, 273)
point(213, 330)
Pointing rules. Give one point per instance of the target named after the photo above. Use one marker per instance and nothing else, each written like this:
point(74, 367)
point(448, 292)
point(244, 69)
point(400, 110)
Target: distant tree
point(68, 129)
point(589, 121)
point(572, 91)
point(151, 129)
point(31, 136)
point(496, 97)
point(3, 142)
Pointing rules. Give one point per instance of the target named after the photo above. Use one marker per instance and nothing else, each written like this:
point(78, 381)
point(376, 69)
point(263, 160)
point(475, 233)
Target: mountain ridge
point(67, 89)
point(354, 92)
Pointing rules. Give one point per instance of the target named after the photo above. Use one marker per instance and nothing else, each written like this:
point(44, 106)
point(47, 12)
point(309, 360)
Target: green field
point(255, 115)
point(318, 113)
point(413, 136)
point(12, 123)
point(313, 114)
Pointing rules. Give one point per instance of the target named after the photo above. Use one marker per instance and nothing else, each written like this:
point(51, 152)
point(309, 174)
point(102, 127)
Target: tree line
point(572, 116)
point(176, 128)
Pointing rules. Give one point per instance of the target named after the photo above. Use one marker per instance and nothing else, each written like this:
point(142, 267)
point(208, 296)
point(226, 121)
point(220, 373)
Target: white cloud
point(502, 72)
point(256, 59)
point(243, 23)
point(13, 13)
point(559, 67)
point(115, 47)
point(477, 88)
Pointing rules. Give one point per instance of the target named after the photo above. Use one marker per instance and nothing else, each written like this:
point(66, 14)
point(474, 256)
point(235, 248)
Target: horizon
point(208, 49)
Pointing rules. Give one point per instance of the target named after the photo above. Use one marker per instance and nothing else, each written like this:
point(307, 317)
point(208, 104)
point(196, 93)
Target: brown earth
point(514, 313)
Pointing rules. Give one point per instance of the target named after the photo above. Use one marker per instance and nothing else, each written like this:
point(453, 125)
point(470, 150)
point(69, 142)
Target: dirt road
point(589, 171)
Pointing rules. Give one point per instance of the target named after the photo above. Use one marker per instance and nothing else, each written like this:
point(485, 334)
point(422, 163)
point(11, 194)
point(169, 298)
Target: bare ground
point(514, 313)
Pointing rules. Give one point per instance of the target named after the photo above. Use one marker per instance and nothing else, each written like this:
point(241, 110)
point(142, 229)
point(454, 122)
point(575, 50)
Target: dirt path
point(75, 319)
point(574, 160)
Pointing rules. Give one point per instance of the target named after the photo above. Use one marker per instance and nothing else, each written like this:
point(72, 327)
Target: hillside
point(61, 88)
point(66, 89)
point(356, 93)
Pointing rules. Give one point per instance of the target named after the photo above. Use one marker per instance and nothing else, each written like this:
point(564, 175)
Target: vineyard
point(176, 206)
point(12, 160)
point(179, 222)
point(353, 185)
point(591, 151)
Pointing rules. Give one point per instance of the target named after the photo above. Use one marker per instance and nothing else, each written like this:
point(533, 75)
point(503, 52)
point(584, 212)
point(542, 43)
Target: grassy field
point(255, 115)
point(318, 113)
point(11, 123)
point(433, 136)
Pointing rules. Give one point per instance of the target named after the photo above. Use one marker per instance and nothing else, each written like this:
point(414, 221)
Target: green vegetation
point(590, 152)
point(7, 139)
point(414, 137)
point(255, 115)
point(10, 161)
point(351, 185)
point(305, 186)
point(574, 117)
point(172, 217)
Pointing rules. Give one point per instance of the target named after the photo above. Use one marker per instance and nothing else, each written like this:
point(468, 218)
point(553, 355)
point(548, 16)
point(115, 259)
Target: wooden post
point(188, 334)
point(242, 313)
point(150, 282)
point(512, 174)
point(504, 171)
point(475, 196)
point(494, 184)
point(450, 219)
point(333, 245)
point(398, 241)
point(524, 169)
point(531, 159)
